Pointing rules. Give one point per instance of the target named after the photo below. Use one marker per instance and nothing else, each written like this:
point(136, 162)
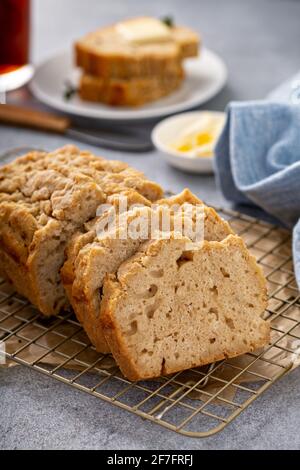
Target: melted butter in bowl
point(187, 141)
point(198, 139)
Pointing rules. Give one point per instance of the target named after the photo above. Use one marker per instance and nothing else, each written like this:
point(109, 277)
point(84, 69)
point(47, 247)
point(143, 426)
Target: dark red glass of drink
point(14, 43)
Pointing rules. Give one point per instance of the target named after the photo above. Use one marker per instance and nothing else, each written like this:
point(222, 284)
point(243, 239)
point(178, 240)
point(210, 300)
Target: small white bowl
point(167, 131)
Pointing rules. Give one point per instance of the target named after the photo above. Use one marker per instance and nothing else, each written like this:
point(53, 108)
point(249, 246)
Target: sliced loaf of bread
point(87, 234)
point(44, 199)
point(135, 48)
point(167, 309)
point(90, 259)
point(128, 92)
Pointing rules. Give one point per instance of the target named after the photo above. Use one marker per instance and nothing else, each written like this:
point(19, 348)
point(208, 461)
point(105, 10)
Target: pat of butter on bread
point(143, 31)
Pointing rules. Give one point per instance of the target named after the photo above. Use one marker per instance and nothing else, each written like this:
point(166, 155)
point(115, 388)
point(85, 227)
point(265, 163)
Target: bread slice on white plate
point(128, 92)
point(138, 47)
point(167, 309)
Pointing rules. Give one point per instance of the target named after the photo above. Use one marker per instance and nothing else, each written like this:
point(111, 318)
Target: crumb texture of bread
point(90, 259)
point(87, 235)
point(167, 309)
point(44, 199)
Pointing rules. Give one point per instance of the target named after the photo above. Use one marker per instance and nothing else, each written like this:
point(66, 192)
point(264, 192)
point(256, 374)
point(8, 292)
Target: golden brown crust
point(27, 274)
point(77, 241)
point(186, 196)
point(44, 199)
point(112, 333)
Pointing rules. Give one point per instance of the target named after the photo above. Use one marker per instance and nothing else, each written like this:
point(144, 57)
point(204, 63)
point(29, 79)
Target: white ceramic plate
point(205, 77)
point(167, 131)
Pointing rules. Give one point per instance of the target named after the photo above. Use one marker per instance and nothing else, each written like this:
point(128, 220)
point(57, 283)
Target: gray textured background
point(259, 40)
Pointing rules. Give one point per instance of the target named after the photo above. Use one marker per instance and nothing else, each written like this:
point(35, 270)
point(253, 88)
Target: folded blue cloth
point(258, 161)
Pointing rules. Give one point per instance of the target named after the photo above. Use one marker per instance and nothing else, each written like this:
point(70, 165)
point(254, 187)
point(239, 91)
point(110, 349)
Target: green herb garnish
point(69, 91)
point(168, 21)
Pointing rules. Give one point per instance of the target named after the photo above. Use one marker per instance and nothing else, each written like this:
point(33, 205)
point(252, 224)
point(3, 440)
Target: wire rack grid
point(196, 403)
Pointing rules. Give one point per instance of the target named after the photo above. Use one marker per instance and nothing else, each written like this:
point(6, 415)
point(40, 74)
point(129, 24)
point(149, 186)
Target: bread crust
point(44, 199)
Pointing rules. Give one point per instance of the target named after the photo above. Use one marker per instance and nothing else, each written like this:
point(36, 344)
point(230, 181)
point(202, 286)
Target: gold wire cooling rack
point(196, 403)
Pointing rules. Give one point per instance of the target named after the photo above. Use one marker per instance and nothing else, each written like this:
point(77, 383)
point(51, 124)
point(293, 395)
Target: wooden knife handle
point(17, 116)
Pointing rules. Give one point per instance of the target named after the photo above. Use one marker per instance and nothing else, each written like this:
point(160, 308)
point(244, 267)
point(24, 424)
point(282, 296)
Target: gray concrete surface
point(259, 40)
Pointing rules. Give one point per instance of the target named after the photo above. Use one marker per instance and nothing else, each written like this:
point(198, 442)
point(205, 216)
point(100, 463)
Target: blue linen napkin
point(258, 161)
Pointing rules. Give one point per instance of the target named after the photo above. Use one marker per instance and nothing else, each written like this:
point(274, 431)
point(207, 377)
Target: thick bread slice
point(88, 234)
point(167, 309)
point(89, 259)
point(92, 264)
point(128, 92)
point(188, 40)
point(44, 199)
point(35, 228)
point(105, 53)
